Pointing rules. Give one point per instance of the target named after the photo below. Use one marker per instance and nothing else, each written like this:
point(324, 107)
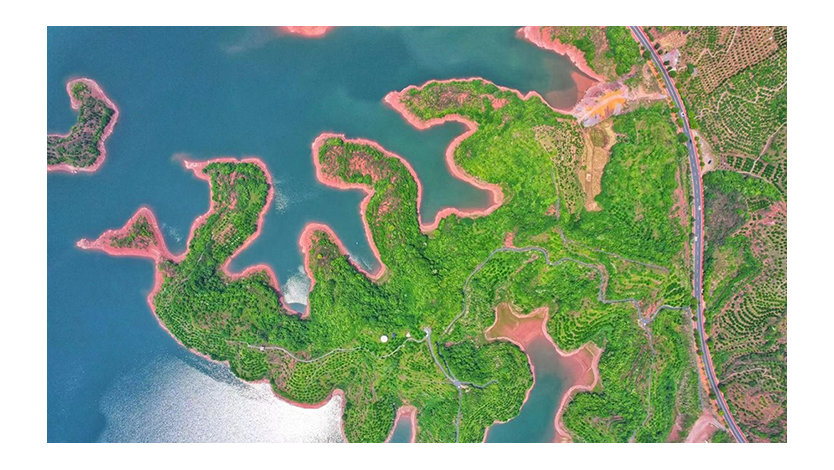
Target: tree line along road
point(698, 249)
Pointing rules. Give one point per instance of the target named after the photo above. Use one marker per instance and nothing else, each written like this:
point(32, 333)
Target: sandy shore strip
point(535, 35)
point(306, 31)
point(582, 364)
point(98, 93)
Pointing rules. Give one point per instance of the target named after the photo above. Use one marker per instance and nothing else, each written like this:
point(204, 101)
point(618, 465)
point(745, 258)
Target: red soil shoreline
point(161, 252)
point(496, 194)
point(534, 35)
point(307, 31)
point(305, 240)
point(524, 333)
point(393, 100)
point(595, 352)
point(98, 93)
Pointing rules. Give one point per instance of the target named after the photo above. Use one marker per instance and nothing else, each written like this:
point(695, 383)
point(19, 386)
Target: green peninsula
point(413, 333)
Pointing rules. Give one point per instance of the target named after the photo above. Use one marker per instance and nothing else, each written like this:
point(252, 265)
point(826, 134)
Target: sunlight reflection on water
point(173, 401)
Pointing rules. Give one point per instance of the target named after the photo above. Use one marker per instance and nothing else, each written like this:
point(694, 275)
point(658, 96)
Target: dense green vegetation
point(623, 48)
point(638, 186)
point(722, 437)
point(440, 290)
point(140, 235)
point(80, 147)
point(581, 38)
point(609, 51)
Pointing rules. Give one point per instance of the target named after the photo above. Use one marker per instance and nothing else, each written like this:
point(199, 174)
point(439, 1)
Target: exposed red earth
point(495, 191)
point(98, 93)
point(393, 100)
point(681, 203)
point(596, 98)
point(534, 35)
point(582, 84)
point(306, 31)
point(158, 251)
point(702, 373)
point(704, 428)
point(585, 362)
point(582, 364)
point(496, 195)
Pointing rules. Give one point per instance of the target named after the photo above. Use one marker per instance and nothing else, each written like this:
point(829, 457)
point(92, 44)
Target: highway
point(698, 249)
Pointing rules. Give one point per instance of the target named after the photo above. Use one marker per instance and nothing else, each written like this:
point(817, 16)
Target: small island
point(82, 148)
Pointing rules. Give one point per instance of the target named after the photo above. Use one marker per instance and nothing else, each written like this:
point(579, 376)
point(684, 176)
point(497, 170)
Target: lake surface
point(535, 422)
point(207, 92)
point(402, 431)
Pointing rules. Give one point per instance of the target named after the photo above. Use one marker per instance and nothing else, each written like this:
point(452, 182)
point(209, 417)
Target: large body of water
point(113, 373)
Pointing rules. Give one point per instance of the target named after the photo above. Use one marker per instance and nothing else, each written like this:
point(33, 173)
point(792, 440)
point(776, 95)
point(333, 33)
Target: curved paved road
point(697, 193)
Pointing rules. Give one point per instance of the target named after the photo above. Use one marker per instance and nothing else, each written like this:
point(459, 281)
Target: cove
point(206, 92)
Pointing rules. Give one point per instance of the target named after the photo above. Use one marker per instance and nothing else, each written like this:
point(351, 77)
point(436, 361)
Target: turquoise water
point(402, 432)
point(206, 92)
point(535, 422)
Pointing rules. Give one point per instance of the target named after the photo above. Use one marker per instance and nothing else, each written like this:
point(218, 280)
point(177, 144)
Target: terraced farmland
point(734, 83)
point(746, 294)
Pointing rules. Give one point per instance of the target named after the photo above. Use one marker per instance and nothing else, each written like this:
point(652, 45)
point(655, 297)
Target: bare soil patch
point(598, 142)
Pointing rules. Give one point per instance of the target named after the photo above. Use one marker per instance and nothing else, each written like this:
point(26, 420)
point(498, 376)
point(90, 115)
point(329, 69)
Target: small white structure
point(383, 339)
point(408, 335)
